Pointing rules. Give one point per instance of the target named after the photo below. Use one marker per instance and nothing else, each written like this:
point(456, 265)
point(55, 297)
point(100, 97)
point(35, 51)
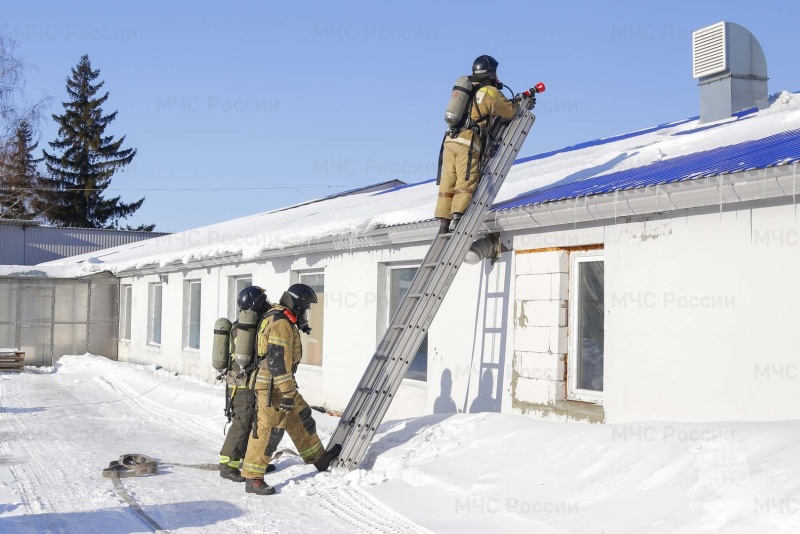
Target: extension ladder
point(410, 324)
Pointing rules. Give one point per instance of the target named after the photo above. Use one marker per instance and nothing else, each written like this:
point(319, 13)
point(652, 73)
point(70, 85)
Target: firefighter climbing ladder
point(407, 329)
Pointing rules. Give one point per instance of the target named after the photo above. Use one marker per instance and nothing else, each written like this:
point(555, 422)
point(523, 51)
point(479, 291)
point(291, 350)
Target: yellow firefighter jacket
point(280, 351)
point(489, 103)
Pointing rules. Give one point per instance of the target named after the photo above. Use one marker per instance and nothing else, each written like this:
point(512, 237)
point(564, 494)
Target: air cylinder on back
point(246, 338)
point(221, 349)
point(459, 102)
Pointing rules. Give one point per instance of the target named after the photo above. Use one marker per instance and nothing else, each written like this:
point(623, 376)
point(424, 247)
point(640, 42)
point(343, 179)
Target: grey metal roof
point(26, 244)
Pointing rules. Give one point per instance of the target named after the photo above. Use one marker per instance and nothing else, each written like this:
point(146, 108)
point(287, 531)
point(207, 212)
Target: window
point(125, 305)
point(191, 314)
point(400, 279)
point(154, 303)
point(235, 286)
point(312, 344)
point(587, 328)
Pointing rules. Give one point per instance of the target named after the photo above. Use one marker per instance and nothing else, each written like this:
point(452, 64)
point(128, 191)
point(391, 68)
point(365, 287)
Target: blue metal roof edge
point(604, 141)
point(777, 149)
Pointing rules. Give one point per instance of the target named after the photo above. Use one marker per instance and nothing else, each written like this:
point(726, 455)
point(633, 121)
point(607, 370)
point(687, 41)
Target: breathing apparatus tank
point(246, 338)
point(459, 102)
point(221, 349)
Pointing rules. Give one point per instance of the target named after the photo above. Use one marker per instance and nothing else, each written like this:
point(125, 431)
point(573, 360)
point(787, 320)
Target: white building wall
point(701, 318)
point(355, 318)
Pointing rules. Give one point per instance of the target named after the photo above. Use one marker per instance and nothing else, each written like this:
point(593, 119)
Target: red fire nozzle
point(538, 88)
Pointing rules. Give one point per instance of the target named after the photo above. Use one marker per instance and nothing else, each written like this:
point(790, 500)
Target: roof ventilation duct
point(732, 70)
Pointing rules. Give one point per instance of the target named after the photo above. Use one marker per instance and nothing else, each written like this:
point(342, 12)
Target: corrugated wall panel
point(12, 245)
point(33, 244)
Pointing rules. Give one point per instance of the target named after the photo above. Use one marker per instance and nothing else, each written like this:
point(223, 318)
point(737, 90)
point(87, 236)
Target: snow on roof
point(668, 152)
point(67, 270)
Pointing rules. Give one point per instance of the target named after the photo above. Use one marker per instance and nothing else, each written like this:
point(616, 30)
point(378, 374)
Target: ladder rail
point(398, 346)
point(388, 341)
point(367, 423)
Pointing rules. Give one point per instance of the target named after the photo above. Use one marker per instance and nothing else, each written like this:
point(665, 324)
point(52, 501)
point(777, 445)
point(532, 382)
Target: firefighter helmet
point(253, 298)
point(298, 298)
point(484, 68)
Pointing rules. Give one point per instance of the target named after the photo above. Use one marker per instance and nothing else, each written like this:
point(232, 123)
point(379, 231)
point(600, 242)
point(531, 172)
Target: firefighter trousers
point(271, 426)
point(455, 187)
point(235, 445)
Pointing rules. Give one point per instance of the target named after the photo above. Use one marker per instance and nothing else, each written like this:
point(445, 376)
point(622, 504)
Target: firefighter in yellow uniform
point(279, 407)
point(239, 405)
point(461, 157)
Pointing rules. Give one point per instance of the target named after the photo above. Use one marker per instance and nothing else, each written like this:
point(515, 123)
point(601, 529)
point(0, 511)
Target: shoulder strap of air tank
point(276, 313)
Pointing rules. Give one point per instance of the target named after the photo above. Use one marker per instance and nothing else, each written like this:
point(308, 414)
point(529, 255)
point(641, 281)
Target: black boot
point(258, 486)
point(324, 461)
point(230, 473)
point(444, 226)
point(454, 222)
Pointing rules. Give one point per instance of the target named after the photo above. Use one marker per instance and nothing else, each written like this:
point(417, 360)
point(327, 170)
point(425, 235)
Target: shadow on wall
point(121, 521)
point(445, 403)
point(484, 402)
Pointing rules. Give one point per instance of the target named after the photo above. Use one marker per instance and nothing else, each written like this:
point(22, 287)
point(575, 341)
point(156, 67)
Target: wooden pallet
point(12, 361)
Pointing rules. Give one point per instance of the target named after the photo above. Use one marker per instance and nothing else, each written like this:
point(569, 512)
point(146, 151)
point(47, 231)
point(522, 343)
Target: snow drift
point(442, 473)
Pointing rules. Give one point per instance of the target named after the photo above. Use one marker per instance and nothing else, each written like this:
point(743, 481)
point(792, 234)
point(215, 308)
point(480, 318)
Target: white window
point(587, 327)
point(125, 308)
point(235, 286)
point(154, 306)
point(191, 314)
point(312, 344)
point(400, 279)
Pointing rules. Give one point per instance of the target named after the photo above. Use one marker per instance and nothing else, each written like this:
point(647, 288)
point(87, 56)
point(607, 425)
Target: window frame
point(151, 324)
point(301, 280)
point(390, 315)
point(125, 312)
point(573, 392)
point(187, 314)
point(233, 293)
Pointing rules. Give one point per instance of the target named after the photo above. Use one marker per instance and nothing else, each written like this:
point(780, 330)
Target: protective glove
point(286, 405)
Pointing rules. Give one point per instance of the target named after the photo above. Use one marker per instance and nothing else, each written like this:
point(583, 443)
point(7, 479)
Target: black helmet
point(298, 298)
point(253, 298)
point(484, 68)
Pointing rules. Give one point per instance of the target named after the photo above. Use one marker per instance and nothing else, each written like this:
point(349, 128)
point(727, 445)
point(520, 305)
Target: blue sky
point(311, 98)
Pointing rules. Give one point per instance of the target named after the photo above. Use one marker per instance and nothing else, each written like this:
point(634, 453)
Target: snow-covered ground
point(459, 473)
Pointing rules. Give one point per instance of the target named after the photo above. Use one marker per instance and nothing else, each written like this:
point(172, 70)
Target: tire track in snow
point(356, 507)
point(187, 426)
point(349, 504)
point(34, 477)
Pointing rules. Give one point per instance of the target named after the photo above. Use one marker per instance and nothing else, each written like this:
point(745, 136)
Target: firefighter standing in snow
point(239, 401)
point(279, 407)
point(464, 144)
